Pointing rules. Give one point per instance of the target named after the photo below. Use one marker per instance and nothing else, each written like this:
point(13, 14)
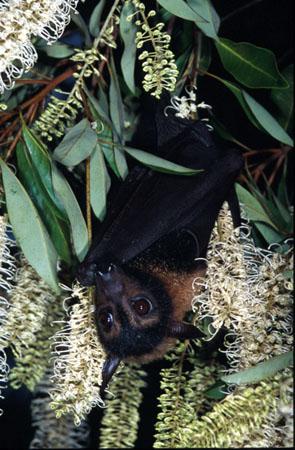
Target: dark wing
point(151, 204)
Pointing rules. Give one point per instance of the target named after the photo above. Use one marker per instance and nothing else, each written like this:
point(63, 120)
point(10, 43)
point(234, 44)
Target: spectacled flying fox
point(143, 259)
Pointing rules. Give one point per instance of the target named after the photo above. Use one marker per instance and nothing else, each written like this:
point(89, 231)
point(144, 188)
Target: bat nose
point(110, 280)
point(106, 272)
point(86, 274)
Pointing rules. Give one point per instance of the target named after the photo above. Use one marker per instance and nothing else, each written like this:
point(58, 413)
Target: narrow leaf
point(253, 208)
point(205, 57)
point(239, 96)
point(253, 66)
point(128, 31)
point(94, 23)
point(56, 227)
point(217, 391)
point(116, 103)
point(42, 163)
point(284, 101)
point(207, 18)
point(180, 9)
point(98, 107)
point(159, 164)
point(59, 51)
point(120, 161)
point(28, 229)
point(262, 371)
point(77, 144)
point(80, 22)
point(78, 225)
point(99, 182)
point(267, 121)
point(257, 114)
point(270, 235)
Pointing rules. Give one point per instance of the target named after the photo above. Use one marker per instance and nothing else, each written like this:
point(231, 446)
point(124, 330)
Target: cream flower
point(79, 361)
point(20, 21)
point(7, 269)
point(246, 292)
point(159, 64)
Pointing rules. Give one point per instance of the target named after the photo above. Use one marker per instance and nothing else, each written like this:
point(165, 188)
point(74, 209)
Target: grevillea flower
point(51, 432)
point(7, 269)
point(250, 417)
point(121, 418)
point(186, 106)
point(246, 292)
point(27, 328)
point(20, 22)
point(158, 64)
point(79, 359)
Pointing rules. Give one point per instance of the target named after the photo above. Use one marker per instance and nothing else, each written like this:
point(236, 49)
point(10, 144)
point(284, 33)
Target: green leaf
point(253, 66)
point(57, 228)
point(222, 130)
point(59, 51)
point(80, 22)
point(42, 163)
point(77, 144)
point(99, 182)
point(180, 9)
point(28, 229)
point(128, 31)
point(253, 208)
point(205, 57)
point(267, 121)
point(159, 164)
point(257, 114)
point(261, 371)
point(99, 107)
point(94, 23)
point(239, 96)
point(216, 392)
point(284, 101)
point(116, 103)
point(78, 225)
point(181, 61)
point(207, 18)
point(120, 161)
point(270, 235)
point(282, 191)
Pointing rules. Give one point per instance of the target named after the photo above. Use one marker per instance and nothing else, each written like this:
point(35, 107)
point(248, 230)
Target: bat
point(143, 259)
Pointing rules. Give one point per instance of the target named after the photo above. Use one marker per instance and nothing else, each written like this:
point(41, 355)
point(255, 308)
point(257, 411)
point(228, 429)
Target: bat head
point(134, 317)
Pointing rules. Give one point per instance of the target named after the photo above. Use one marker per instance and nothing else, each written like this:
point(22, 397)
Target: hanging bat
point(142, 261)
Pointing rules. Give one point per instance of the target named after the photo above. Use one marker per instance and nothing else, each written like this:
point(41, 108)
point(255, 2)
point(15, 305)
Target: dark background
point(267, 23)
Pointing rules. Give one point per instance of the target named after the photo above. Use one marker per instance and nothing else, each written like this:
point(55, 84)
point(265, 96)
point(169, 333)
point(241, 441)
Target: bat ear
point(181, 330)
point(109, 368)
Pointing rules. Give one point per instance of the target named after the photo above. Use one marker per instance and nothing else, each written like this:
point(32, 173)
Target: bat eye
point(106, 320)
point(141, 305)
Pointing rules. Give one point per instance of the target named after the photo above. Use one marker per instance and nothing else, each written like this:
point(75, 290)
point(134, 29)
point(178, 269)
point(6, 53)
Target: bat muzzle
point(109, 280)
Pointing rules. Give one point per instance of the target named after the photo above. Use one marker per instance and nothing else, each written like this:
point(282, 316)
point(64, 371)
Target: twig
point(40, 95)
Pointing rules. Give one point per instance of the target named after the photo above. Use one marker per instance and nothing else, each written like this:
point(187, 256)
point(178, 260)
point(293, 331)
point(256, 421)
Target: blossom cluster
point(20, 22)
point(79, 359)
point(246, 292)
point(158, 63)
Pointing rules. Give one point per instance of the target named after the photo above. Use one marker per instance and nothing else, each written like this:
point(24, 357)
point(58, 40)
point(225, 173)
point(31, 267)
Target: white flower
point(186, 106)
point(19, 22)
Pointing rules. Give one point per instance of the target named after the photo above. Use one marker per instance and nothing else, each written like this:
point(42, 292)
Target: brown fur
point(179, 287)
point(180, 290)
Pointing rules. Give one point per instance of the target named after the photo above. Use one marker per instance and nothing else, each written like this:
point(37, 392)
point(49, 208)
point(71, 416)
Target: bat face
point(131, 312)
point(134, 314)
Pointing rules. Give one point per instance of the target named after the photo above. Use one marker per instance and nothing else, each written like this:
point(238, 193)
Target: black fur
point(134, 341)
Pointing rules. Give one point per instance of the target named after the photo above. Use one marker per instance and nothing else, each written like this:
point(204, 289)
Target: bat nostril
point(86, 274)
